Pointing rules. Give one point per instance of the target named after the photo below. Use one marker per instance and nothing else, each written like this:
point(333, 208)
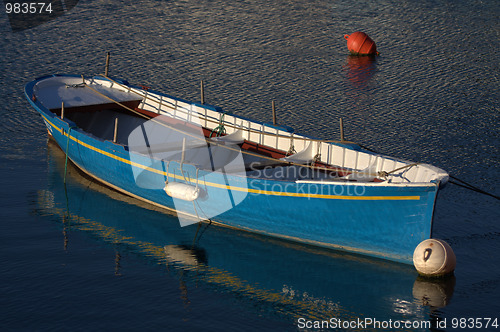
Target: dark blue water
point(86, 258)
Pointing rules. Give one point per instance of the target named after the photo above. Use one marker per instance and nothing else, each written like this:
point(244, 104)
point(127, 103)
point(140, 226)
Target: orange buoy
point(359, 43)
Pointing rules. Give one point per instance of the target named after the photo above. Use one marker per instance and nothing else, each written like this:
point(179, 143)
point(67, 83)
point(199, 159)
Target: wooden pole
point(106, 69)
point(62, 110)
point(116, 130)
point(341, 129)
point(202, 92)
point(183, 150)
point(274, 113)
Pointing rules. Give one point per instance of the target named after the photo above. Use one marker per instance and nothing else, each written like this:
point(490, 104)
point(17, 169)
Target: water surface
point(84, 257)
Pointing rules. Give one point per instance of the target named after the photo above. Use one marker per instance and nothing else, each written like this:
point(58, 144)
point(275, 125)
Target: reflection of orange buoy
point(360, 70)
point(359, 43)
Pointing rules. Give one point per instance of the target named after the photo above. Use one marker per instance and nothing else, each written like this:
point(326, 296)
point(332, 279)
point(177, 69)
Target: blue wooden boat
point(207, 164)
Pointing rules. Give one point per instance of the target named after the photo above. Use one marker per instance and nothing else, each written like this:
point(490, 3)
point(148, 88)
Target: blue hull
point(376, 220)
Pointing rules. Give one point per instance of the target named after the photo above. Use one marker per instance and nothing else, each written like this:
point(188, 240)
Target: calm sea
point(82, 257)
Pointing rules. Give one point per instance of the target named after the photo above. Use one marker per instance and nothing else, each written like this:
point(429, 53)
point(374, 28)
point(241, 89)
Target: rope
point(466, 185)
point(78, 85)
point(66, 162)
point(291, 150)
point(219, 130)
point(384, 174)
point(195, 240)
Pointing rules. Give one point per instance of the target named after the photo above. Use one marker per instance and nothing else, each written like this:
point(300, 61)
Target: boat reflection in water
point(285, 278)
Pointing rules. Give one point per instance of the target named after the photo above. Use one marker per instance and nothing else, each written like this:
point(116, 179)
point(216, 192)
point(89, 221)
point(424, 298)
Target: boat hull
point(375, 219)
point(371, 219)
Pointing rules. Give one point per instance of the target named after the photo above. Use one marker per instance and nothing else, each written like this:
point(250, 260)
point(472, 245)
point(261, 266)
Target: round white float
point(434, 258)
point(182, 191)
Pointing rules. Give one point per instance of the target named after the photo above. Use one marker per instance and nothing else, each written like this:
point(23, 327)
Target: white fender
point(182, 191)
point(433, 257)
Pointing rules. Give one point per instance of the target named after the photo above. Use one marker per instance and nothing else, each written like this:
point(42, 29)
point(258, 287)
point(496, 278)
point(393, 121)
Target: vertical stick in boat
point(116, 130)
point(274, 113)
point(183, 149)
point(341, 129)
point(62, 110)
point(202, 92)
point(106, 69)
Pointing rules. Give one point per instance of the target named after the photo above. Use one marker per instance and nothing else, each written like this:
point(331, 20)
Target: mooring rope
point(457, 182)
point(466, 185)
point(66, 162)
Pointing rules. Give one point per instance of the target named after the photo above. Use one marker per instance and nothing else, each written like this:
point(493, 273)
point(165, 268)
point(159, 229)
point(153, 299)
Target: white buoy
point(182, 191)
point(434, 258)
